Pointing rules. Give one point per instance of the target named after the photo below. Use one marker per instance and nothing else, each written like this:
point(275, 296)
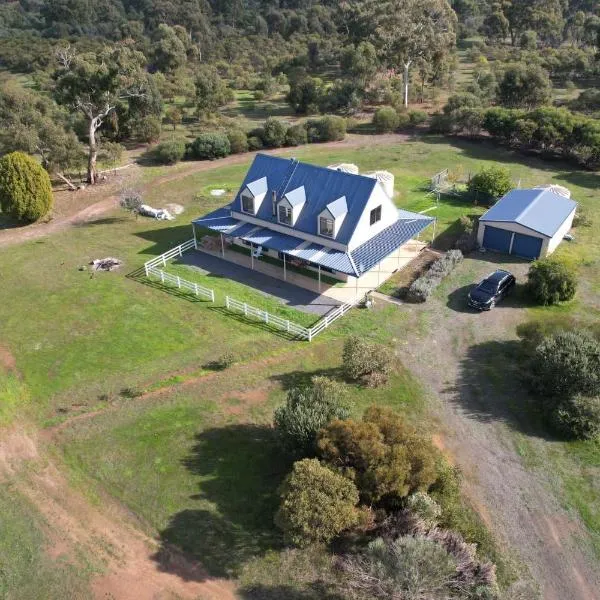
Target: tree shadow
point(294, 379)
point(312, 591)
point(102, 221)
point(239, 468)
point(165, 238)
point(490, 387)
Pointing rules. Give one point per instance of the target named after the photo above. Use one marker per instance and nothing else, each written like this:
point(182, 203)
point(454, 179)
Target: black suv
point(491, 290)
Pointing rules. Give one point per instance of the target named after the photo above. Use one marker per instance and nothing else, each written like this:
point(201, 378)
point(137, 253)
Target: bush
point(316, 504)
point(225, 361)
point(254, 143)
point(209, 146)
point(273, 133)
point(565, 364)
point(417, 117)
point(381, 454)
point(579, 417)
point(550, 282)
point(423, 287)
point(296, 135)
point(366, 361)
point(238, 141)
point(467, 240)
point(25, 188)
point(306, 411)
point(147, 129)
point(424, 507)
point(441, 124)
point(169, 153)
point(493, 182)
point(385, 119)
point(327, 129)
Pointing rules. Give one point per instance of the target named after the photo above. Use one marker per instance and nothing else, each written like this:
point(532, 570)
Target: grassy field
point(186, 458)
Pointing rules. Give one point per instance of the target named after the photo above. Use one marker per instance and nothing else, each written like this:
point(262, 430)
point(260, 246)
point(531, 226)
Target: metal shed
point(529, 223)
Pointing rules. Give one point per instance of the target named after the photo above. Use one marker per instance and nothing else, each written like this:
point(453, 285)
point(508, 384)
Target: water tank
point(345, 168)
point(557, 189)
point(386, 179)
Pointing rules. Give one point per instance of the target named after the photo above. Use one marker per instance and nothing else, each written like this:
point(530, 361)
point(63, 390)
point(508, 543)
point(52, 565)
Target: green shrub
point(273, 133)
point(238, 141)
point(209, 146)
point(316, 504)
point(25, 188)
point(326, 129)
point(385, 119)
point(225, 361)
point(306, 411)
point(170, 152)
point(366, 361)
point(563, 365)
point(403, 120)
point(550, 282)
point(254, 143)
point(147, 129)
point(578, 417)
point(423, 287)
point(381, 453)
point(441, 124)
point(424, 507)
point(296, 135)
point(417, 117)
point(492, 182)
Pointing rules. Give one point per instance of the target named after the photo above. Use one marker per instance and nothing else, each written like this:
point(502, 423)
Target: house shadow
point(239, 468)
point(490, 387)
point(165, 238)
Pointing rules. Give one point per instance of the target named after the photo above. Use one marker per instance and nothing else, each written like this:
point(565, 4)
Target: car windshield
point(488, 286)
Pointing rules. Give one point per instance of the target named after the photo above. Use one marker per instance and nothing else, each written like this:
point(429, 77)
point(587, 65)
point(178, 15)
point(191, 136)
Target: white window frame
point(250, 197)
point(325, 234)
point(289, 214)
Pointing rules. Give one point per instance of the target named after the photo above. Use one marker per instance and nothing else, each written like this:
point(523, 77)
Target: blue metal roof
point(322, 186)
point(367, 255)
point(354, 263)
point(540, 210)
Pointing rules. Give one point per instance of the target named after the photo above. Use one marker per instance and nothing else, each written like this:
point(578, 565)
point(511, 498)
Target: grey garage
point(529, 223)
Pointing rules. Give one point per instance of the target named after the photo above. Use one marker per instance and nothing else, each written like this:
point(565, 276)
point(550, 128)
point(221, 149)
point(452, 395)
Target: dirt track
point(476, 413)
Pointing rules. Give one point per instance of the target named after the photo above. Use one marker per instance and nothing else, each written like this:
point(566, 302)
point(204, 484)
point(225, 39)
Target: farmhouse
point(529, 223)
point(321, 219)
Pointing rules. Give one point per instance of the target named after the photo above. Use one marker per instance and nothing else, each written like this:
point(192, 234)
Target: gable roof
point(256, 186)
point(322, 186)
point(338, 208)
point(542, 211)
point(296, 197)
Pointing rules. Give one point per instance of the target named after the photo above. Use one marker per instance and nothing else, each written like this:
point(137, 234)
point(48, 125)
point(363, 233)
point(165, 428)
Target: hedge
point(423, 287)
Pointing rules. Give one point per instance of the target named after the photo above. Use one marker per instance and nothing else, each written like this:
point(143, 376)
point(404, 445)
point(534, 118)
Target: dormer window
point(326, 226)
point(375, 215)
point(248, 203)
point(285, 214)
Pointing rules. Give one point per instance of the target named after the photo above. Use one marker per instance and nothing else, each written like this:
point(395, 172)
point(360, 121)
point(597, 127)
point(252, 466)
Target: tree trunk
point(406, 66)
point(92, 171)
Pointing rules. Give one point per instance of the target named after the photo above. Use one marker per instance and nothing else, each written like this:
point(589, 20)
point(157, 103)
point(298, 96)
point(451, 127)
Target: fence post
point(227, 302)
point(146, 269)
point(162, 276)
point(178, 282)
point(164, 261)
point(212, 296)
point(245, 309)
point(266, 317)
point(310, 335)
point(287, 325)
point(180, 251)
point(196, 288)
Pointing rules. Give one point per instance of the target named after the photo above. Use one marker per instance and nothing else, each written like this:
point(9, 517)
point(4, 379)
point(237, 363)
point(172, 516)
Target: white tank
point(345, 167)
point(557, 189)
point(386, 179)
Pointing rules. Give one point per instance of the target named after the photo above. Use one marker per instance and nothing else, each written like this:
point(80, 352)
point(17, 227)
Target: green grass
point(27, 572)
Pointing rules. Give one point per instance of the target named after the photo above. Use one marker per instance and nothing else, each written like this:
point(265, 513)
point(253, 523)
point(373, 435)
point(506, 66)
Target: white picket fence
point(152, 268)
point(285, 324)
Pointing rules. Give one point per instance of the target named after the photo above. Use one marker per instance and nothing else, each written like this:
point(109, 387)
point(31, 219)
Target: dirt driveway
point(478, 408)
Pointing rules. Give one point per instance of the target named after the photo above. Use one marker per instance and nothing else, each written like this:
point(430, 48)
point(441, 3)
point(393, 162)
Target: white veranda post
point(194, 230)
point(284, 271)
point(222, 246)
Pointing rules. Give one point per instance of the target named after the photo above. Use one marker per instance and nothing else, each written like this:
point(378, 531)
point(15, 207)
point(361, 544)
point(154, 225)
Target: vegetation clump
point(170, 152)
point(208, 146)
point(317, 504)
point(386, 119)
point(550, 281)
point(25, 188)
point(424, 286)
point(306, 411)
point(366, 361)
point(490, 184)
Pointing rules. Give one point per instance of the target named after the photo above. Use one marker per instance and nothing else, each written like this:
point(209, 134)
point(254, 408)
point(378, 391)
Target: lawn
point(187, 459)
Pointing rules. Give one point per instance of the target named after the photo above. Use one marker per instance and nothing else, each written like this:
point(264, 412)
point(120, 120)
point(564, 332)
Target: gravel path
point(478, 415)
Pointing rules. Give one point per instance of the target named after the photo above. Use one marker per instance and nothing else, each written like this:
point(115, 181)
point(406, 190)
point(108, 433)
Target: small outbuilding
point(529, 223)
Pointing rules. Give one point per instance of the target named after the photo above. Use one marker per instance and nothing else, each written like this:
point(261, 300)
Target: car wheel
point(492, 304)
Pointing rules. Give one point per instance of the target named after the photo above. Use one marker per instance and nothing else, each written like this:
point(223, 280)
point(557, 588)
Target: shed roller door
point(497, 239)
point(526, 246)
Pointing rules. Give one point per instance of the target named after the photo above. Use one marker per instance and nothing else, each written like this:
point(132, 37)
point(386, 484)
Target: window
point(326, 226)
point(375, 215)
point(247, 204)
point(285, 215)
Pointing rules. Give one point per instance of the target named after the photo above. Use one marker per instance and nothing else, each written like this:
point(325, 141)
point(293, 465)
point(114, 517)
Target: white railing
point(286, 324)
point(182, 284)
point(172, 253)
